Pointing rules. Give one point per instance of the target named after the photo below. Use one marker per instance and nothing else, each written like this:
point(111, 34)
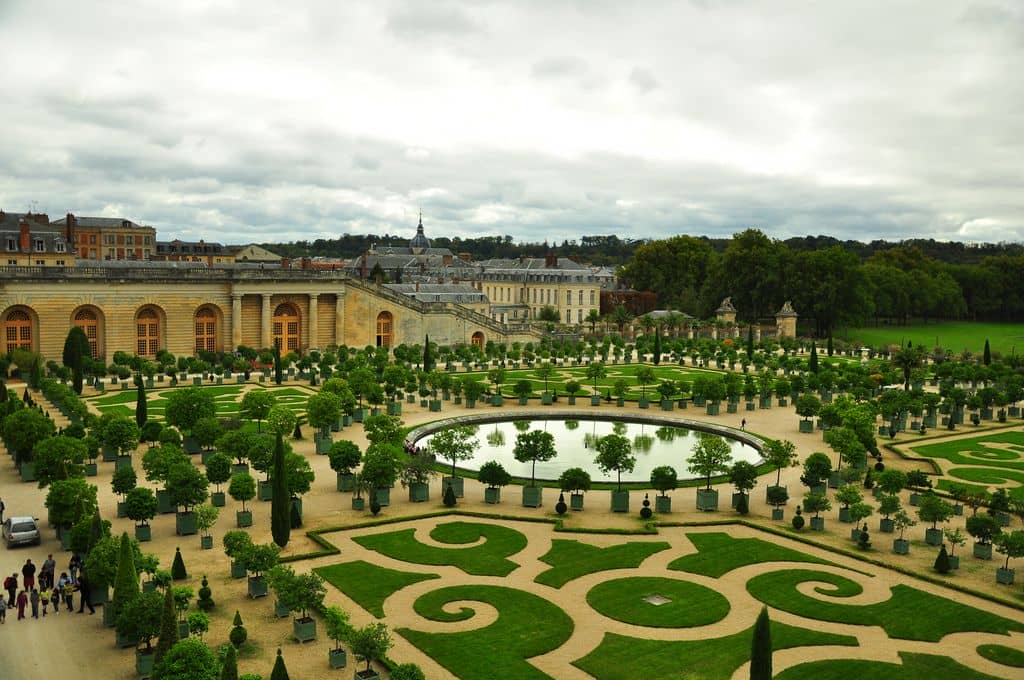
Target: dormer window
point(39, 245)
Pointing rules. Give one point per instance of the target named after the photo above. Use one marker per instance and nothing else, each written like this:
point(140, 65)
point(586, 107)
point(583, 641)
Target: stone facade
point(142, 309)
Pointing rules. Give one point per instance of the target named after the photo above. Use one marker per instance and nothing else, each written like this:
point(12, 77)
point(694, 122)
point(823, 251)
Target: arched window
point(206, 330)
point(87, 321)
point(385, 329)
point(478, 339)
point(147, 333)
point(286, 327)
point(18, 330)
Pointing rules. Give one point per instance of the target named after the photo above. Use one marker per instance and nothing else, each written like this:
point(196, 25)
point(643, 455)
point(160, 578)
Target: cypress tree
point(76, 350)
point(168, 627)
point(141, 407)
point(830, 344)
point(761, 648)
point(279, 672)
point(987, 356)
point(229, 671)
point(657, 345)
point(35, 376)
point(280, 519)
point(277, 361)
point(812, 365)
point(126, 582)
point(942, 561)
point(428, 359)
point(750, 341)
point(178, 572)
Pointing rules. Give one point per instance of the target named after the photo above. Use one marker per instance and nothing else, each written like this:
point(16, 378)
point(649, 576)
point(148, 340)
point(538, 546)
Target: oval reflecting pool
point(654, 444)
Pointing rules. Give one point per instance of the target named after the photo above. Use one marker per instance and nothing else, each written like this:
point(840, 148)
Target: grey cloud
point(422, 20)
point(559, 67)
point(643, 80)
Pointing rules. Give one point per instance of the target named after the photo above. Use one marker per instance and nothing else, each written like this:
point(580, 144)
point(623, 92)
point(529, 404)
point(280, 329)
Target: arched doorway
point(286, 327)
point(206, 330)
point(478, 339)
point(385, 329)
point(147, 332)
point(87, 320)
point(18, 330)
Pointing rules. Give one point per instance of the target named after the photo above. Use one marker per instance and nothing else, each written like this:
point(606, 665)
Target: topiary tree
point(126, 582)
point(575, 480)
point(76, 352)
point(743, 476)
point(168, 625)
point(178, 572)
point(140, 505)
point(23, 429)
point(280, 522)
point(58, 458)
point(455, 444)
point(186, 485)
point(817, 468)
point(218, 469)
point(942, 564)
point(279, 672)
point(238, 634)
point(242, 488)
point(229, 669)
point(344, 456)
point(780, 453)
point(140, 619)
point(533, 446)
point(614, 452)
point(205, 601)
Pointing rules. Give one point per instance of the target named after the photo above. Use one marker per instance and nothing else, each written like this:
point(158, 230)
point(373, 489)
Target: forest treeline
point(831, 283)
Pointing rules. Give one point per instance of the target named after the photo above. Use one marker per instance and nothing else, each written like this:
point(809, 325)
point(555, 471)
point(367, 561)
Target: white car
point(18, 530)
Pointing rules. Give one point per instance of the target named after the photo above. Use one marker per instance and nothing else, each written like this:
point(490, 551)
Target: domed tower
point(419, 242)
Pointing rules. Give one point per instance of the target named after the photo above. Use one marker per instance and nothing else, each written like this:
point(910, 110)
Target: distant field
point(956, 336)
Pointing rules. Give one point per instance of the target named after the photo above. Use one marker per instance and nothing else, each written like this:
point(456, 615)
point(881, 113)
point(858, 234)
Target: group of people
point(48, 590)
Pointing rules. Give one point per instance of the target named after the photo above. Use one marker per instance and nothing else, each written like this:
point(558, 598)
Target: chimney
point(417, 286)
point(69, 230)
point(362, 268)
point(550, 260)
point(447, 259)
point(26, 238)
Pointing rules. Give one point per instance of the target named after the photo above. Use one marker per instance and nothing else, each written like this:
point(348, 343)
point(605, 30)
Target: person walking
point(2, 507)
point(28, 574)
point(44, 598)
point(49, 568)
point(11, 586)
point(22, 603)
point(3, 610)
point(84, 599)
point(34, 599)
point(68, 592)
point(74, 565)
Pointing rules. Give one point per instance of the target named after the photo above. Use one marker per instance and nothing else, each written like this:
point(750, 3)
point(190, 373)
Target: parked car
point(18, 530)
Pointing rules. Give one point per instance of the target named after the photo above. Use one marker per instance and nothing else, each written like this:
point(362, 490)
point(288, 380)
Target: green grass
point(615, 372)
point(571, 559)
point(227, 400)
point(914, 667)
point(981, 466)
point(954, 335)
point(368, 584)
point(626, 658)
point(720, 553)
point(909, 614)
point(1007, 656)
point(691, 605)
point(486, 559)
point(527, 626)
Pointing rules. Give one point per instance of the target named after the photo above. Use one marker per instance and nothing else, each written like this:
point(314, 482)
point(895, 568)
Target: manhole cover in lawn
point(657, 600)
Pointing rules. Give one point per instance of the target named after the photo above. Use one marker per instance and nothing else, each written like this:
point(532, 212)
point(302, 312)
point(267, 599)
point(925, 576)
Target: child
point(22, 603)
point(44, 597)
point(69, 593)
point(3, 610)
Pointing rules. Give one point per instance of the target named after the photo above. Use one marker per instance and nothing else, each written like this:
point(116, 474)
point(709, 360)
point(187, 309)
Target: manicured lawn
point(626, 658)
point(571, 559)
point(368, 584)
point(720, 553)
point(527, 626)
point(227, 400)
point(974, 461)
point(486, 559)
point(909, 614)
point(914, 667)
point(690, 605)
point(953, 335)
point(1008, 656)
point(615, 372)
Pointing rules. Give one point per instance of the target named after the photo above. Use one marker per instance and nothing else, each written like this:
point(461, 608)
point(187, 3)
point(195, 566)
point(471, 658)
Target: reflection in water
point(661, 446)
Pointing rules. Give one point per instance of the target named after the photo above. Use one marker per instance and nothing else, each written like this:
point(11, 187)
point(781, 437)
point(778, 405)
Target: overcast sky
point(257, 120)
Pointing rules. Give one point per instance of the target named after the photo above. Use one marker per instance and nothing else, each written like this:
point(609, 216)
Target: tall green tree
point(126, 582)
point(168, 626)
point(76, 351)
point(761, 648)
point(280, 520)
point(428, 357)
point(674, 268)
point(141, 406)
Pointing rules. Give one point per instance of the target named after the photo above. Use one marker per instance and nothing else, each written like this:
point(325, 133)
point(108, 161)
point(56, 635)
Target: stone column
point(236, 320)
point(314, 321)
point(339, 318)
point(266, 337)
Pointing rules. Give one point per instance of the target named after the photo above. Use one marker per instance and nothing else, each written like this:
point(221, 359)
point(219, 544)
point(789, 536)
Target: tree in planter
point(999, 502)
point(205, 601)
point(984, 528)
point(533, 446)
point(344, 456)
point(847, 495)
point(901, 522)
point(198, 624)
point(256, 405)
point(59, 457)
point(384, 429)
point(614, 452)
point(576, 481)
point(370, 643)
point(123, 481)
point(454, 444)
point(664, 479)
point(23, 429)
point(280, 522)
point(620, 388)
point(186, 486)
point(596, 371)
point(188, 405)
point(780, 453)
point(126, 581)
point(157, 462)
point(777, 496)
point(473, 389)
point(242, 488)
point(417, 471)
point(808, 406)
point(236, 543)
point(933, 509)
point(381, 465)
point(817, 468)
point(817, 503)
point(301, 593)
point(544, 371)
point(140, 506)
point(189, 658)
point(337, 626)
point(522, 388)
point(1010, 544)
point(572, 388)
point(891, 482)
point(139, 619)
point(259, 559)
point(711, 455)
point(323, 410)
point(408, 671)
point(644, 376)
point(206, 517)
point(218, 470)
point(743, 476)
point(206, 432)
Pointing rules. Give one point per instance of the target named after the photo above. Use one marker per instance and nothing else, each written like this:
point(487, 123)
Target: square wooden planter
point(620, 501)
point(419, 493)
point(304, 630)
point(533, 496)
point(257, 587)
point(143, 533)
point(707, 500)
point(457, 484)
point(1004, 576)
point(663, 504)
point(492, 495)
point(185, 523)
point(346, 481)
point(901, 546)
point(337, 658)
point(243, 518)
point(576, 502)
point(265, 490)
point(818, 523)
